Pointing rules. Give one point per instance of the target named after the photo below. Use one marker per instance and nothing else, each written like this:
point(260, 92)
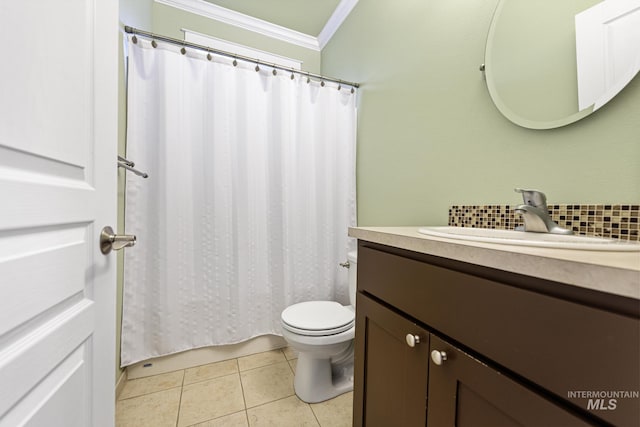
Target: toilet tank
point(352, 257)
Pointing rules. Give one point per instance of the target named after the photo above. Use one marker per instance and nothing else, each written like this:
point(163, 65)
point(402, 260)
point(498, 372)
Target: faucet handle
point(533, 198)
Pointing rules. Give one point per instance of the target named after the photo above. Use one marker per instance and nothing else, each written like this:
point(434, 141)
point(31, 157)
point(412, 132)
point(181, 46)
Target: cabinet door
point(465, 392)
point(390, 376)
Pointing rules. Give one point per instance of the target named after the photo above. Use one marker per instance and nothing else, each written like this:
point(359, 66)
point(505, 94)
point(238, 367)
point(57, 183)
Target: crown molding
point(221, 14)
point(338, 16)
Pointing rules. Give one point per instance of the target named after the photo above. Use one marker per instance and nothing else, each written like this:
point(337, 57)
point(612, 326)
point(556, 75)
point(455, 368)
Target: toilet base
point(317, 379)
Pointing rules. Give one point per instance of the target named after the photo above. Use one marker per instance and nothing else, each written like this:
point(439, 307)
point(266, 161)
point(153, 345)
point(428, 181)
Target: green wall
point(429, 135)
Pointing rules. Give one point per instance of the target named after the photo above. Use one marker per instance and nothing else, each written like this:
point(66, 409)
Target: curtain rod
point(131, 30)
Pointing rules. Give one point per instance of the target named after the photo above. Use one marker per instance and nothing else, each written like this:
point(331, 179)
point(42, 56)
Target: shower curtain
point(250, 193)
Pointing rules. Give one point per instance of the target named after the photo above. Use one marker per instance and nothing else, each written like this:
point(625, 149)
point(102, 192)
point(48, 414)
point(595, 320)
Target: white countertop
point(611, 272)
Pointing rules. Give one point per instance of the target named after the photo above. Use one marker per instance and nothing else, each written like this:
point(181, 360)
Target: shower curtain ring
point(209, 57)
point(257, 66)
point(339, 85)
point(235, 62)
point(134, 39)
point(292, 75)
point(183, 50)
point(308, 78)
point(274, 72)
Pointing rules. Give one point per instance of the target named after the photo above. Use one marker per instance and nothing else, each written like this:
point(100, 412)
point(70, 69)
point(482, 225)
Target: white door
point(608, 57)
point(58, 130)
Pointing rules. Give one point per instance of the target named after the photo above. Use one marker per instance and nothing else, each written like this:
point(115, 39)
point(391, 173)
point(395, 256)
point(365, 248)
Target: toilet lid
point(318, 318)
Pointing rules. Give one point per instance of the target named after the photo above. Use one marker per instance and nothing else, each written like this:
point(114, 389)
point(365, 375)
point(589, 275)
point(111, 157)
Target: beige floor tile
point(260, 359)
point(293, 363)
point(239, 419)
point(289, 412)
point(210, 371)
point(290, 353)
point(151, 384)
point(337, 412)
point(158, 409)
point(267, 384)
point(210, 399)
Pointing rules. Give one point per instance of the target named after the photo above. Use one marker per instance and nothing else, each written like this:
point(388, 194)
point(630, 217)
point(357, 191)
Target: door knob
point(412, 340)
point(438, 357)
point(110, 241)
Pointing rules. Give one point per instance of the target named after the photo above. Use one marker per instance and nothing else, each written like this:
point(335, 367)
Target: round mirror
point(530, 59)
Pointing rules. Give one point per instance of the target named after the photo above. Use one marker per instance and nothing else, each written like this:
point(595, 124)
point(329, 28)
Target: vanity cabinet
point(463, 391)
point(394, 392)
point(515, 349)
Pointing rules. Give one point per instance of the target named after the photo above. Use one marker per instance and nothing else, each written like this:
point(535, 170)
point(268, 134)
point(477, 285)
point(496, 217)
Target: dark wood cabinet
point(397, 394)
point(465, 392)
point(516, 347)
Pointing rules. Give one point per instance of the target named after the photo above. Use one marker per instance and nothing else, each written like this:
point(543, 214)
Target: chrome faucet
point(535, 214)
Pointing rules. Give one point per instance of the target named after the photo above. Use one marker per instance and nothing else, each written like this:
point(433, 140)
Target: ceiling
point(306, 16)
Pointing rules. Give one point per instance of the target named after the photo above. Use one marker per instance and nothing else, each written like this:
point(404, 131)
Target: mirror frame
point(502, 106)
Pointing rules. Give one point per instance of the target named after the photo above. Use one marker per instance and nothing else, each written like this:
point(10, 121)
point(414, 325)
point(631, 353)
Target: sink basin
point(522, 238)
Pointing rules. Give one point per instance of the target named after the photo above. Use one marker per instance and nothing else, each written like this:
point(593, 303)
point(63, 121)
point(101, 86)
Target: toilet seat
point(318, 318)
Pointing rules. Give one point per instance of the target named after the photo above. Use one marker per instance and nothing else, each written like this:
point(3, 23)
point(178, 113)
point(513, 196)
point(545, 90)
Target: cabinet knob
point(438, 357)
point(412, 340)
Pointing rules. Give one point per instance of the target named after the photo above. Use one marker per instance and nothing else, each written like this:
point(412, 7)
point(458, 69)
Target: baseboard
point(203, 356)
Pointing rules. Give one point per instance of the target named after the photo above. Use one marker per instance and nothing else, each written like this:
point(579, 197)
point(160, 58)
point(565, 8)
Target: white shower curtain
point(250, 193)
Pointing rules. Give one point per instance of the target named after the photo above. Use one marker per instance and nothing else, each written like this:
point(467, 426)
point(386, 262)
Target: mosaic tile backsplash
point(611, 221)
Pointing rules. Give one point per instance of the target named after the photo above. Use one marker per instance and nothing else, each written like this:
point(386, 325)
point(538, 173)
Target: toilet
point(322, 332)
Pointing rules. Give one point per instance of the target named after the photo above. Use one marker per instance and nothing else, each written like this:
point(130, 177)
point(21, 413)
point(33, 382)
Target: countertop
point(616, 273)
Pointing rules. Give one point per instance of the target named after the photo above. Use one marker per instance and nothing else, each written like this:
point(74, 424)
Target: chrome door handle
point(110, 241)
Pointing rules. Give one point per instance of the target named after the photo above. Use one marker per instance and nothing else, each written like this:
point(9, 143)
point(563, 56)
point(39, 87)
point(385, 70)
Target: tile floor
point(255, 390)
